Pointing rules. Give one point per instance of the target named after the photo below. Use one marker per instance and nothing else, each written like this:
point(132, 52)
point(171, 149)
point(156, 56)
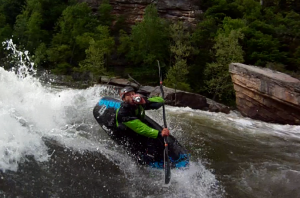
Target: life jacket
point(139, 113)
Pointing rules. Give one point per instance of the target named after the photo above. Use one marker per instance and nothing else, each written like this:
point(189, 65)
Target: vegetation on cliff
point(68, 37)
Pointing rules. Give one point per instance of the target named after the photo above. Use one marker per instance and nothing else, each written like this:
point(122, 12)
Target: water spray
point(23, 66)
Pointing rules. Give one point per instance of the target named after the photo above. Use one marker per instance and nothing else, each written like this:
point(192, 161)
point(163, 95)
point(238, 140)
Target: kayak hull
point(144, 150)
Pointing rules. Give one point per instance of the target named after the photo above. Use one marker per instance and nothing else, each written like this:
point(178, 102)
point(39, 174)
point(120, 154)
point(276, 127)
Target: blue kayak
point(144, 150)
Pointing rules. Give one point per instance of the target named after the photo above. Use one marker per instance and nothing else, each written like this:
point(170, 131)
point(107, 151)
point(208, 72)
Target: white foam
point(195, 181)
point(235, 121)
point(17, 141)
point(30, 111)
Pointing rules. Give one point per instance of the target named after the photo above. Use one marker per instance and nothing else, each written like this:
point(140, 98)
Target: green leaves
point(68, 36)
point(148, 41)
point(181, 49)
point(105, 17)
point(100, 47)
point(227, 50)
point(75, 28)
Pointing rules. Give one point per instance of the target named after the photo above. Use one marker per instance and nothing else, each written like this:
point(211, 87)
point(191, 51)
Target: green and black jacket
point(132, 116)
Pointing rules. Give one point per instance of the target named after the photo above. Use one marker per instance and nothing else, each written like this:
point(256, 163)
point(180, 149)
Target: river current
point(51, 146)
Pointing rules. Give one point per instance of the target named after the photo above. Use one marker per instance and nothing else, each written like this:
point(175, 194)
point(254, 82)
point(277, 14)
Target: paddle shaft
point(164, 118)
point(166, 156)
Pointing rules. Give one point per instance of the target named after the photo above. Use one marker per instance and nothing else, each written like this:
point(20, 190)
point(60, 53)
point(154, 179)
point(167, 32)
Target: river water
point(51, 146)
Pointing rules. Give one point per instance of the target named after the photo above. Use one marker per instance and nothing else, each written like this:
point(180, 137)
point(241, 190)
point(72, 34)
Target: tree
point(148, 41)
point(5, 30)
point(180, 48)
point(222, 9)
point(287, 33)
point(227, 50)
point(105, 17)
point(11, 9)
point(40, 55)
point(76, 20)
point(34, 32)
point(203, 39)
point(262, 45)
point(28, 27)
point(101, 45)
point(5, 33)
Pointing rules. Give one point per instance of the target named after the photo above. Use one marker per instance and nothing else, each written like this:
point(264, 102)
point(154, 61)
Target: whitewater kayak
point(146, 151)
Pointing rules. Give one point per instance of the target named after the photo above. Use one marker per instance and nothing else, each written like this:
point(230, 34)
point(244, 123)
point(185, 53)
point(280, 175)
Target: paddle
point(166, 156)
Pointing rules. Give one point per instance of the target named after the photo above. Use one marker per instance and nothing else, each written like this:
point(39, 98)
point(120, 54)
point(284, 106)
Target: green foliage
point(180, 48)
point(27, 28)
point(119, 24)
point(251, 9)
point(287, 33)
point(176, 76)
point(34, 32)
point(11, 9)
point(36, 21)
point(73, 26)
point(105, 17)
point(5, 33)
point(148, 41)
point(5, 30)
point(262, 48)
point(222, 8)
point(283, 5)
point(100, 47)
point(230, 24)
point(202, 40)
point(227, 50)
point(68, 36)
point(296, 59)
point(125, 42)
point(75, 21)
point(62, 68)
point(60, 53)
point(19, 29)
point(40, 56)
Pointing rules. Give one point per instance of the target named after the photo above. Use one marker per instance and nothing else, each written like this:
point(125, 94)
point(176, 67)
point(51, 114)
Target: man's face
point(128, 97)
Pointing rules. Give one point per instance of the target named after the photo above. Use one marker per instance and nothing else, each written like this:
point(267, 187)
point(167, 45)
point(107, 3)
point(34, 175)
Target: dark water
point(51, 146)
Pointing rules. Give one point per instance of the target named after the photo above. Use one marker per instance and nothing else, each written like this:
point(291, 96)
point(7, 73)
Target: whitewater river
point(51, 146)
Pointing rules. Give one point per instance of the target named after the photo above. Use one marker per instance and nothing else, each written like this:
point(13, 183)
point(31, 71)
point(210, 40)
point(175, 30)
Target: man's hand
point(138, 96)
point(165, 132)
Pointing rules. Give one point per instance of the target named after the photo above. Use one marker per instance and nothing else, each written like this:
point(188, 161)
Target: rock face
point(133, 10)
point(265, 94)
point(183, 99)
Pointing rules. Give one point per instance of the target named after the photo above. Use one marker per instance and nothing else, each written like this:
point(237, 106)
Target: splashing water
point(23, 66)
point(230, 155)
point(17, 137)
point(31, 111)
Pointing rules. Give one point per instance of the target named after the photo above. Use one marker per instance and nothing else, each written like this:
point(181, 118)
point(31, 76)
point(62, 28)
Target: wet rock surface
point(266, 95)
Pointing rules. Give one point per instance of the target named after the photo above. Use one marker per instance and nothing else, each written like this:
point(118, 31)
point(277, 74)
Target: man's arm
point(154, 103)
point(141, 128)
point(136, 124)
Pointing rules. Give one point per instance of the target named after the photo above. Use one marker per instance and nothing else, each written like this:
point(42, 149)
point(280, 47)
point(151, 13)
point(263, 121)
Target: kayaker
point(132, 111)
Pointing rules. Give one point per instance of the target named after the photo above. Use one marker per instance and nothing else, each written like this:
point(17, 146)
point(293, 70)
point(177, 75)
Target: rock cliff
point(265, 94)
point(133, 10)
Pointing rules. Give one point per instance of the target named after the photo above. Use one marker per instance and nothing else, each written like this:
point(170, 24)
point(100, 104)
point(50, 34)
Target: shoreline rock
point(266, 95)
point(183, 98)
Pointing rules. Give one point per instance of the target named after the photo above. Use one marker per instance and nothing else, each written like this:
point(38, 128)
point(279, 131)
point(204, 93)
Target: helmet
point(125, 90)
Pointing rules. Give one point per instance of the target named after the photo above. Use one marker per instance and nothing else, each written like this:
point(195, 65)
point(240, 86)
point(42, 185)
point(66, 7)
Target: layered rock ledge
point(266, 95)
point(133, 10)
